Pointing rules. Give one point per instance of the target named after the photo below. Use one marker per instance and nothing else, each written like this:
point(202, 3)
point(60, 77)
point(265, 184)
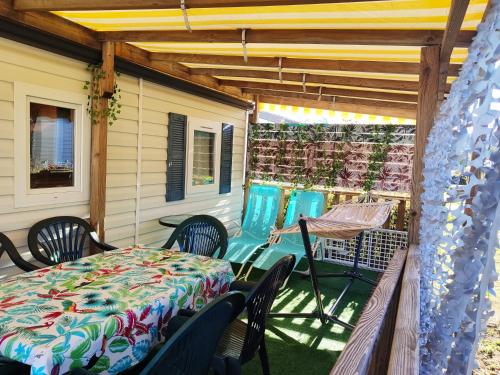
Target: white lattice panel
point(376, 252)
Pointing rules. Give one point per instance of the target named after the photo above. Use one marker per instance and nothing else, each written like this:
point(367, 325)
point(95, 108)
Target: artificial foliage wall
point(459, 228)
point(369, 157)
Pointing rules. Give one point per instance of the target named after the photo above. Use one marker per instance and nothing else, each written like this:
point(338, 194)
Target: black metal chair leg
point(263, 358)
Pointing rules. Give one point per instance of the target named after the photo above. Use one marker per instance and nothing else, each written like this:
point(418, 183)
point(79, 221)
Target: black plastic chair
point(241, 341)
point(62, 239)
point(7, 246)
point(200, 235)
point(190, 350)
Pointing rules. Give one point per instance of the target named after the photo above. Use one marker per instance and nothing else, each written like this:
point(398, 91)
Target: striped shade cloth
point(345, 221)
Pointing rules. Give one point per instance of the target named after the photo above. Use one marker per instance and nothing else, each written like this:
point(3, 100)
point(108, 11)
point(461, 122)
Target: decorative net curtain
point(460, 221)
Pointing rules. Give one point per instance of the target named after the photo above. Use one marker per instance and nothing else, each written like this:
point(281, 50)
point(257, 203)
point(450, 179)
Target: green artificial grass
point(305, 346)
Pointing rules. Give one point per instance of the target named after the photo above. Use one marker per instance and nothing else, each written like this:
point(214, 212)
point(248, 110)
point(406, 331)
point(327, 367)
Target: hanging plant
point(253, 151)
point(317, 138)
point(113, 108)
point(300, 137)
point(381, 145)
point(281, 165)
point(265, 146)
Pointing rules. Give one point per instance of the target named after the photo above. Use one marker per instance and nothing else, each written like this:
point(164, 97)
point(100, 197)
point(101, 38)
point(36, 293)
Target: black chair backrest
point(191, 349)
point(7, 246)
point(62, 239)
point(259, 302)
point(200, 235)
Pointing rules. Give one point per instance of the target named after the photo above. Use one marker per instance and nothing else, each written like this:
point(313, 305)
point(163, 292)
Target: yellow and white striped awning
point(332, 117)
point(395, 14)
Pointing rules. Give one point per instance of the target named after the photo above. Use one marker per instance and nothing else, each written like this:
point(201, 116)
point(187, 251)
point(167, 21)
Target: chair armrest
point(242, 286)
point(101, 245)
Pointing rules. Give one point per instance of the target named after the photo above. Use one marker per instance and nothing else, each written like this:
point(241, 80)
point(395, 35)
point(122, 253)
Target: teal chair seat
point(307, 203)
point(260, 218)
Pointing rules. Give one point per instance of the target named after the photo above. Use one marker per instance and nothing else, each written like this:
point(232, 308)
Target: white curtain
point(459, 229)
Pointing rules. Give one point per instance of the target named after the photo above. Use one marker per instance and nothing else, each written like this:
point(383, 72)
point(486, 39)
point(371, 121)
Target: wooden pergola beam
point(301, 36)
point(99, 143)
point(426, 110)
point(339, 106)
point(456, 17)
point(265, 88)
point(71, 31)
point(292, 63)
point(383, 84)
point(52, 5)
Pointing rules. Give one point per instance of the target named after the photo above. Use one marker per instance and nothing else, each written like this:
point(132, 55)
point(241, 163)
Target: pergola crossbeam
point(264, 88)
point(282, 36)
point(389, 67)
point(383, 84)
point(455, 19)
point(52, 5)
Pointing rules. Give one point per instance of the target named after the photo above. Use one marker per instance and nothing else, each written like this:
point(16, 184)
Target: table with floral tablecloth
point(108, 309)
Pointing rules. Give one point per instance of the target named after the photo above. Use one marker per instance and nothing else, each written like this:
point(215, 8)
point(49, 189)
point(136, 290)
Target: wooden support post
point(255, 115)
point(99, 143)
point(400, 221)
point(281, 208)
point(426, 110)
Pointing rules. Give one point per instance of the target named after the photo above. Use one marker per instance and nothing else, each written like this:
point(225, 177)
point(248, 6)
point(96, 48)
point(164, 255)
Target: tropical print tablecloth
point(107, 309)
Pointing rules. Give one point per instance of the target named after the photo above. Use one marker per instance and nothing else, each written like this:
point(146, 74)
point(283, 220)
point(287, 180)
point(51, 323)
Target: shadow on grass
point(305, 346)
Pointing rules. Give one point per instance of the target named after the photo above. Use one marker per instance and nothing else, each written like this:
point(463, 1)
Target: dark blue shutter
point(226, 158)
point(176, 157)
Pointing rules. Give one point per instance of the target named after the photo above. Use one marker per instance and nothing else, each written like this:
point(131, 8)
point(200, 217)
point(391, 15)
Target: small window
point(203, 167)
point(203, 158)
point(52, 146)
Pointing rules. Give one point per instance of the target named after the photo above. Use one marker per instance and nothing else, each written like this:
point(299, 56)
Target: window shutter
point(226, 158)
point(176, 157)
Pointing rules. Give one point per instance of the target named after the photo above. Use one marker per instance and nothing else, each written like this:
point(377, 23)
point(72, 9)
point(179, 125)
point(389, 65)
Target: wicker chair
point(61, 239)
point(200, 235)
point(242, 341)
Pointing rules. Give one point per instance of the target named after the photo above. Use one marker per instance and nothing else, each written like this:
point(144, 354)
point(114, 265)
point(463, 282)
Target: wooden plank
point(339, 100)
point(404, 359)
point(455, 19)
point(255, 114)
point(262, 88)
point(292, 36)
point(384, 84)
point(400, 220)
point(390, 67)
point(361, 349)
point(51, 5)
point(99, 146)
point(426, 110)
point(339, 106)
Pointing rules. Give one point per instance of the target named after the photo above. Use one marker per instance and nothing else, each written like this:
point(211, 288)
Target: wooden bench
point(385, 339)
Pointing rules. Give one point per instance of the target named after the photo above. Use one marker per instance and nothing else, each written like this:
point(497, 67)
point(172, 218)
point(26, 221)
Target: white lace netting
point(459, 227)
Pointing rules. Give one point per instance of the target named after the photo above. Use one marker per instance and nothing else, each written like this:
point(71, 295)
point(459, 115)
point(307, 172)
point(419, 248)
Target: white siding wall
point(23, 63)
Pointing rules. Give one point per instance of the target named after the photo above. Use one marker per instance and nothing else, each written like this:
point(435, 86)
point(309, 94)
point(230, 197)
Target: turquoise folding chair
point(307, 203)
point(260, 218)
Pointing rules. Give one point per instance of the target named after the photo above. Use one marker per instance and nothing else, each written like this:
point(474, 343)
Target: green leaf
point(81, 349)
point(119, 345)
point(101, 365)
point(111, 327)
point(92, 330)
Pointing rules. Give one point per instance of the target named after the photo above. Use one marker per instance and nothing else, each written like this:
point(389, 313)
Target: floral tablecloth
point(107, 309)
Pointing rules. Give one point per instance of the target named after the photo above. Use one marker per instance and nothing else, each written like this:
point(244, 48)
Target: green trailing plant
point(382, 139)
point(317, 138)
point(300, 138)
point(253, 152)
point(266, 151)
point(95, 112)
point(338, 155)
point(281, 138)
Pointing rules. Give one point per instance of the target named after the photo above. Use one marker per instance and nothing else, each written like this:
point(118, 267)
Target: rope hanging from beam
point(244, 45)
point(320, 93)
point(304, 82)
point(185, 15)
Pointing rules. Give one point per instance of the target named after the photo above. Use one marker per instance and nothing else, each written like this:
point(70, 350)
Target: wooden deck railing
point(368, 348)
point(385, 339)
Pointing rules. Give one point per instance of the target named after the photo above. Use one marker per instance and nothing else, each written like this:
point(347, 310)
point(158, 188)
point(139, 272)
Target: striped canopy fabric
point(395, 14)
point(345, 221)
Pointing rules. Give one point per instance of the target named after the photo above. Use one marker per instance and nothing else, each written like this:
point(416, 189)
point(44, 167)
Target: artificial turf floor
point(305, 346)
